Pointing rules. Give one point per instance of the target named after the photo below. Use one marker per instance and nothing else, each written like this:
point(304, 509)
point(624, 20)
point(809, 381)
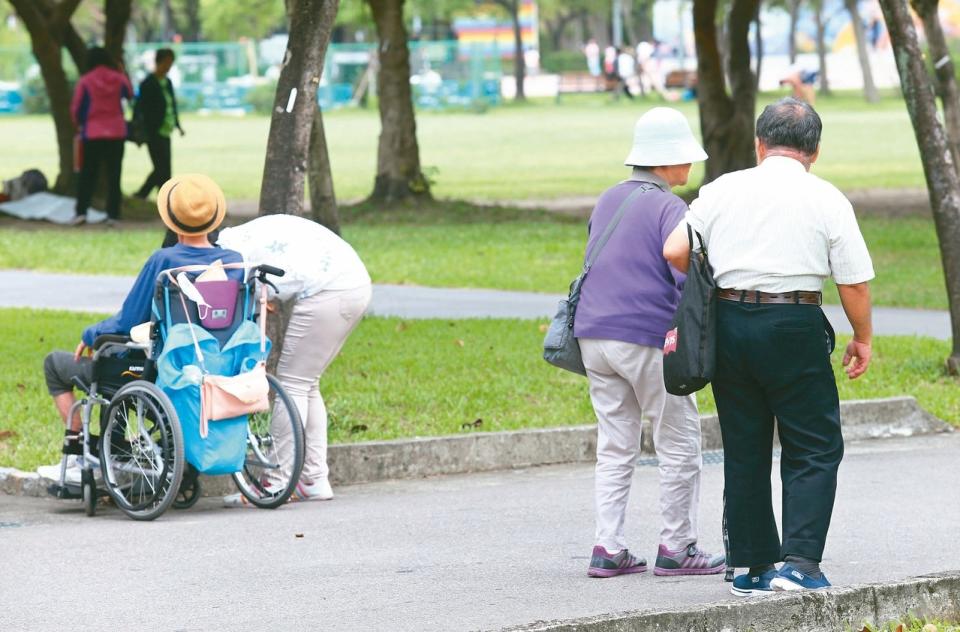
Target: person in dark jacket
point(97, 110)
point(156, 108)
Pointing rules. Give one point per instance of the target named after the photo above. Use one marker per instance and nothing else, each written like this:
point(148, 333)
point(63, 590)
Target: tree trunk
point(399, 175)
point(943, 183)
point(943, 71)
point(48, 23)
point(288, 144)
point(726, 120)
point(519, 63)
point(869, 88)
point(794, 9)
point(323, 201)
point(194, 24)
point(629, 32)
point(118, 16)
point(758, 44)
point(645, 21)
point(821, 47)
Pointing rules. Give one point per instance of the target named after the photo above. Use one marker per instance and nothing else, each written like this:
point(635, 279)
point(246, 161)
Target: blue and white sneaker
point(748, 585)
point(790, 578)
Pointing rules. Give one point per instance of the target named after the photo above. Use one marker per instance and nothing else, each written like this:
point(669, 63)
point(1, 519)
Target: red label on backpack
point(670, 343)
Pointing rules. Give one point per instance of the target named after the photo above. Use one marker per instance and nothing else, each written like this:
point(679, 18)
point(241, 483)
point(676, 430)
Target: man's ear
point(761, 150)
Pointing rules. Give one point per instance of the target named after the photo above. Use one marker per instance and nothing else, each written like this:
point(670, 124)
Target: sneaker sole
point(670, 572)
point(613, 572)
point(779, 584)
point(740, 592)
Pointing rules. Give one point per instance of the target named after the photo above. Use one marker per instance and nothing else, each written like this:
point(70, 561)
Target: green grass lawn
point(423, 378)
point(465, 246)
point(537, 151)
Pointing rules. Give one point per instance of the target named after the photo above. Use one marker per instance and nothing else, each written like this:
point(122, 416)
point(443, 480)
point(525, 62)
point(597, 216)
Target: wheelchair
point(138, 455)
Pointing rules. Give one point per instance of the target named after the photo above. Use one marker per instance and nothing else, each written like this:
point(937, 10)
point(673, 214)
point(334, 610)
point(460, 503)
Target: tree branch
point(62, 13)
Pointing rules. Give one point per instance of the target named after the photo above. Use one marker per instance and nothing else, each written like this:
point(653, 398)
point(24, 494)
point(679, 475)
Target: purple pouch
point(222, 298)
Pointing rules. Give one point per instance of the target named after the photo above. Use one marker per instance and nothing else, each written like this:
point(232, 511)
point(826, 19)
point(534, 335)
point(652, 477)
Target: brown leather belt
point(779, 298)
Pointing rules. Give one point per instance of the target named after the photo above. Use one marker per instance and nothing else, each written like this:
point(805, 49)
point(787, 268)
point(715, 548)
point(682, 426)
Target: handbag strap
point(690, 233)
point(193, 334)
point(608, 231)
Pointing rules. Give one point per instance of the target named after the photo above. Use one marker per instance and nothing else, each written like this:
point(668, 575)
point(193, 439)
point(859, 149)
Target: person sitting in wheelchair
point(192, 206)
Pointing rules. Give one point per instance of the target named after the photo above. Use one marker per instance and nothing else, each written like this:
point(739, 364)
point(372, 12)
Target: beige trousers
point(319, 325)
point(626, 387)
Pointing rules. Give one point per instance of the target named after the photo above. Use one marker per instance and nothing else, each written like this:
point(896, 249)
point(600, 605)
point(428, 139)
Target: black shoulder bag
point(560, 347)
point(690, 348)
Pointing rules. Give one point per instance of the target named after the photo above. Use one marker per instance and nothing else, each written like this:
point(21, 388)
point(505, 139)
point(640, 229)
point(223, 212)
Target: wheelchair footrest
point(70, 491)
point(67, 492)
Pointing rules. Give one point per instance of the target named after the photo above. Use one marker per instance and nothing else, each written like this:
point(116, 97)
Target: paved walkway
point(466, 552)
point(106, 293)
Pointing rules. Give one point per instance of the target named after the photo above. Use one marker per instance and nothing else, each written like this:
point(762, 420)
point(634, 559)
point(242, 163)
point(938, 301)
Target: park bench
point(579, 83)
point(681, 79)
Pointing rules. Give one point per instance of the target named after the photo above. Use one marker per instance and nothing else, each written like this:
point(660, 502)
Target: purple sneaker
point(688, 561)
point(603, 564)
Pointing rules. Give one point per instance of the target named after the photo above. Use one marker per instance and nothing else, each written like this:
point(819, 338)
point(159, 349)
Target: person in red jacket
point(97, 110)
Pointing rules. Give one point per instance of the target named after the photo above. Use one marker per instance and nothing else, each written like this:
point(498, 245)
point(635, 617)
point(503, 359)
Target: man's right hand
point(82, 349)
point(856, 358)
point(856, 304)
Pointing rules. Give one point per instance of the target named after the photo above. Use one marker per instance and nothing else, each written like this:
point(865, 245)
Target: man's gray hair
point(790, 123)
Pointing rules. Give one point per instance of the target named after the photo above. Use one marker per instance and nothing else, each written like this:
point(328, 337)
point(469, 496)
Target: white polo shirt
point(778, 228)
point(313, 257)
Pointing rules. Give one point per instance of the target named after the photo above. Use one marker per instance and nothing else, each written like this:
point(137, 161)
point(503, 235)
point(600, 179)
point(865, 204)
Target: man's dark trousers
point(159, 148)
point(774, 361)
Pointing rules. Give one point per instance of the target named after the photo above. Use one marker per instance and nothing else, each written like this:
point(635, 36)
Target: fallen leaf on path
point(458, 342)
point(7, 434)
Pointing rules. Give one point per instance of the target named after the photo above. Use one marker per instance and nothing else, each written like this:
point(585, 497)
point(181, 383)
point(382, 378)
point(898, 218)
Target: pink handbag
point(223, 397)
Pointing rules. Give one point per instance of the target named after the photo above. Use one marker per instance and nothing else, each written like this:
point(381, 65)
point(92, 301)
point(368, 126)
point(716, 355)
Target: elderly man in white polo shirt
point(773, 234)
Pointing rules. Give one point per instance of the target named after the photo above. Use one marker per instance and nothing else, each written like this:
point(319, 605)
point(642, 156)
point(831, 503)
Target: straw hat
point(191, 204)
point(662, 137)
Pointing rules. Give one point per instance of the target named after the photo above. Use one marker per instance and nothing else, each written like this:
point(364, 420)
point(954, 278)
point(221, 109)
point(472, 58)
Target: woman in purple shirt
point(626, 304)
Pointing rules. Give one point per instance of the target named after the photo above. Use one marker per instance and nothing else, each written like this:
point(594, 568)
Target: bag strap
point(193, 334)
point(608, 231)
point(690, 233)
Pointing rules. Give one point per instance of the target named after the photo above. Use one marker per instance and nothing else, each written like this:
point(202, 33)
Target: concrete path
point(453, 553)
point(106, 293)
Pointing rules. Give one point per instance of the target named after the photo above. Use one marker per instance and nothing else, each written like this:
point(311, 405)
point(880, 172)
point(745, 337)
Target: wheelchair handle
point(266, 269)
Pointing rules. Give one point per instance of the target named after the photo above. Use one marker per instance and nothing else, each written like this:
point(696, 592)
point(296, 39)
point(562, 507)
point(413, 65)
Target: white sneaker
point(52, 472)
point(74, 473)
point(317, 490)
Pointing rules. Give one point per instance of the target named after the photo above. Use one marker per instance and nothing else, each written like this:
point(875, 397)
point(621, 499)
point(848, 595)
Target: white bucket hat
point(662, 137)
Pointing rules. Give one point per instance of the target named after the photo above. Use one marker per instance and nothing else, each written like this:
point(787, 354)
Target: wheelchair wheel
point(274, 452)
point(141, 450)
point(190, 489)
point(89, 493)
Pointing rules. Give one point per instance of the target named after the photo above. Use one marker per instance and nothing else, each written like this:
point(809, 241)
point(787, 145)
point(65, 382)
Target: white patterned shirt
point(778, 228)
point(313, 257)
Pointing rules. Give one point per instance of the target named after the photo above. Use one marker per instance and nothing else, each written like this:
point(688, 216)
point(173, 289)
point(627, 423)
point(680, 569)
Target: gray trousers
point(626, 388)
point(319, 325)
point(59, 369)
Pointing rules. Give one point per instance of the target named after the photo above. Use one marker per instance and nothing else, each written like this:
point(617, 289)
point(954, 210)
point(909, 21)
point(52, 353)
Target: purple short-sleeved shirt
point(631, 293)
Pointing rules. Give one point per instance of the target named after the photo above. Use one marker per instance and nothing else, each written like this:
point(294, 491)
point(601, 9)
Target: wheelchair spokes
point(142, 451)
point(274, 452)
